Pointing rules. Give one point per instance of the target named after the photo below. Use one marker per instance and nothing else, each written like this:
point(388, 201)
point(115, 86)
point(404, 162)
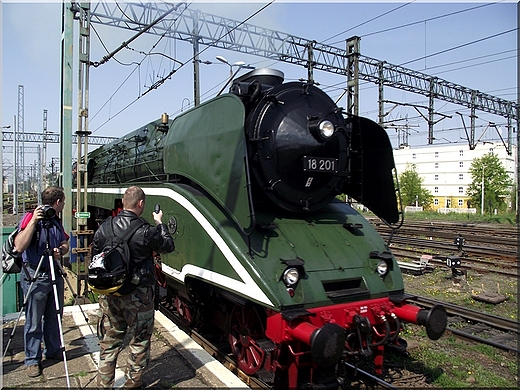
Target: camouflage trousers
point(131, 316)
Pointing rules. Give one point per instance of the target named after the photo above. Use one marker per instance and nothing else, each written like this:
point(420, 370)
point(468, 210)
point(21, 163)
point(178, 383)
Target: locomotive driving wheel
point(245, 329)
point(185, 311)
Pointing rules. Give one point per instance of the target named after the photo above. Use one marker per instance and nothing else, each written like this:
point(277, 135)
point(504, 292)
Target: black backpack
point(11, 259)
point(112, 268)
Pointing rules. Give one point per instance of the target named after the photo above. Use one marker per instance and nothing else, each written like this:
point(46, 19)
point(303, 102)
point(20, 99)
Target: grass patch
point(463, 364)
point(502, 218)
point(451, 362)
point(158, 334)
point(439, 284)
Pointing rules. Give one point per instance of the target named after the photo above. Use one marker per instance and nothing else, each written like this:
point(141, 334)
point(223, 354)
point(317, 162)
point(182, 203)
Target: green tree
point(412, 191)
point(488, 173)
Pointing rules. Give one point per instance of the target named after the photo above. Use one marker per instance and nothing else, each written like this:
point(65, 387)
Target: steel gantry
point(211, 30)
point(53, 138)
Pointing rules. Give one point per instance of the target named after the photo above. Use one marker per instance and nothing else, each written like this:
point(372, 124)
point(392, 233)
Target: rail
point(486, 320)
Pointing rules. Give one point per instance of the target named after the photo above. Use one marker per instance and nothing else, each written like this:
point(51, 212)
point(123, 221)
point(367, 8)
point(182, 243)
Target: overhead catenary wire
point(131, 73)
point(417, 120)
point(487, 56)
point(168, 76)
point(124, 44)
point(366, 22)
point(158, 83)
point(411, 23)
point(421, 22)
point(459, 46)
point(339, 86)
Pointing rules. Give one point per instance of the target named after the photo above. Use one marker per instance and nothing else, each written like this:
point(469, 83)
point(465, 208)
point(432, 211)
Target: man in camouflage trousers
point(124, 311)
point(128, 311)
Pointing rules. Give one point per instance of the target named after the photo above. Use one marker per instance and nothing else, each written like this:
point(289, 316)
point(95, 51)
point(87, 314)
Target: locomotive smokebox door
point(298, 146)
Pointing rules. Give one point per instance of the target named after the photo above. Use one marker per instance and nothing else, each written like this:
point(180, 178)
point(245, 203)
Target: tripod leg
point(14, 330)
point(59, 317)
point(76, 300)
point(25, 299)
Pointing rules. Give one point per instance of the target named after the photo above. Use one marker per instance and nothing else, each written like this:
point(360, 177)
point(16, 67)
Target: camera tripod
point(52, 263)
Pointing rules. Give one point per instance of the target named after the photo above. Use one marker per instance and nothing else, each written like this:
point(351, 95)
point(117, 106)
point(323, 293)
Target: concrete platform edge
point(210, 370)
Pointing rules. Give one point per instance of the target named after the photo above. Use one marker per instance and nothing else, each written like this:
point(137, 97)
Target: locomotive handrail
point(252, 213)
point(395, 227)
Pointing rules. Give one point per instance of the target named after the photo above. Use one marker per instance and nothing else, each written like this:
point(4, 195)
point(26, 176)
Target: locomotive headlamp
point(322, 130)
point(326, 129)
point(291, 276)
point(382, 268)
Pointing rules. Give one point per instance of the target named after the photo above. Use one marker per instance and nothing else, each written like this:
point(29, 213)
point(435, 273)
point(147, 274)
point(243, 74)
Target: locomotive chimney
point(164, 119)
point(164, 123)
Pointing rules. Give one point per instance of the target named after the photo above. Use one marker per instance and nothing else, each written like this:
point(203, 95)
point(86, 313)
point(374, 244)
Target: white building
point(445, 170)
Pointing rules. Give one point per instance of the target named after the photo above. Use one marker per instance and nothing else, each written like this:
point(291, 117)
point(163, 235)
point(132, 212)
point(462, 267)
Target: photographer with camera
point(38, 229)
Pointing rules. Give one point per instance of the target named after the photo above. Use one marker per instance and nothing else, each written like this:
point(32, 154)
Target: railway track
point(486, 248)
point(447, 248)
point(476, 264)
point(469, 228)
point(496, 242)
point(475, 325)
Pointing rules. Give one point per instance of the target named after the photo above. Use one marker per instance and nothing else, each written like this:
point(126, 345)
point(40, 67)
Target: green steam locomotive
point(295, 280)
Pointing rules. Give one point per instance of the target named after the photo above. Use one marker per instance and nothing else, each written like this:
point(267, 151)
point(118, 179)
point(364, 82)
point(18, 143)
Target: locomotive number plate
point(320, 164)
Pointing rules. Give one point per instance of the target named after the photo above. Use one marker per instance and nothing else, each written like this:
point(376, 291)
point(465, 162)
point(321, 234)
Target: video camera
point(48, 212)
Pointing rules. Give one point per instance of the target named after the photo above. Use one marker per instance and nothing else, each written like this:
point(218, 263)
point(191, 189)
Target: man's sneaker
point(34, 370)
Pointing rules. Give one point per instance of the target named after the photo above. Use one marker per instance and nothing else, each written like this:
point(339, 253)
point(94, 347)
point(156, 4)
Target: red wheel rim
point(184, 311)
point(246, 328)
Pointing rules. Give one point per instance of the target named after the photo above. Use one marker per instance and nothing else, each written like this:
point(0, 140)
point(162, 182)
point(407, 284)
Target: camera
point(48, 212)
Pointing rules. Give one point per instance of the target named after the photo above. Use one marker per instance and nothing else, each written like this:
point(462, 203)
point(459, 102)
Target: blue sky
point(466, 43)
